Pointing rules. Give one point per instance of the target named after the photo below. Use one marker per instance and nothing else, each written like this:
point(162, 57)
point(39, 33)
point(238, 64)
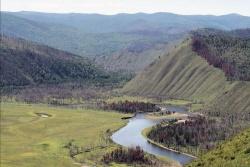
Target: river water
point(130, 136)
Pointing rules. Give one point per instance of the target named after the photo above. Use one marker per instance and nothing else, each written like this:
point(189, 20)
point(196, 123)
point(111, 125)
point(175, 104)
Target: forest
point(193, 132)
point(196, 135)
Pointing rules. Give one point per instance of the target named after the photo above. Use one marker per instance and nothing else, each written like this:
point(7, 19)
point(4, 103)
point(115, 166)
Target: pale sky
point(214, 7)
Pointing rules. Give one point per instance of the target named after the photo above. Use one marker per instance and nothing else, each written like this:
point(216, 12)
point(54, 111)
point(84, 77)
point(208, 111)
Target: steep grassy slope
point(27, 63)
point(232, 153)
point(178, 74)
point(185, 75)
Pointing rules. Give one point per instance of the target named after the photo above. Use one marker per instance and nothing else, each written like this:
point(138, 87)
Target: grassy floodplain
point(29, 140)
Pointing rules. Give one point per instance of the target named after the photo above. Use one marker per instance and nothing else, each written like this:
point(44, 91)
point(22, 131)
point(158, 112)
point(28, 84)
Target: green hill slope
point(233, 153)
point(184, 74)
point(179, 74)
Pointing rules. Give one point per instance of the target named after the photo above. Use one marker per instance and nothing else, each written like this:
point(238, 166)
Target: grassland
point(29, 140)
point(233, 153)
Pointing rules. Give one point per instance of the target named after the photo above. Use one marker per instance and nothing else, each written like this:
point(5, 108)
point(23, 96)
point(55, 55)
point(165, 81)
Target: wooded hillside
point(26, 63)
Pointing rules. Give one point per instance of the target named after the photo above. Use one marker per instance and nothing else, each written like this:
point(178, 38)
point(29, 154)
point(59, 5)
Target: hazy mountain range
point(117, 41)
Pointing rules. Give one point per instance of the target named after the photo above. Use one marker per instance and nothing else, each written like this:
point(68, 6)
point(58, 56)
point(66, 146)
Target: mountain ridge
point(183, 74)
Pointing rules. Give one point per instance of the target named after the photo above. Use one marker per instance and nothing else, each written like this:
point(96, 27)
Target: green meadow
point(30, 139)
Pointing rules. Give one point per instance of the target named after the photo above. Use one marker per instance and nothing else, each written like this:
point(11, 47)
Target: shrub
point(130, 155)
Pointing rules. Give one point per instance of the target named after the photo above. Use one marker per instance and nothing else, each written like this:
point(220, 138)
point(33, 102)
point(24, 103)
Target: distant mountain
point(136, 22)
point(101, 37)
point(26, 63)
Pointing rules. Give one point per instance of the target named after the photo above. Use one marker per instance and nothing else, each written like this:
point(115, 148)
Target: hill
point(130, 37)
point(27, 63)
point(184, 74)
point(231, 153)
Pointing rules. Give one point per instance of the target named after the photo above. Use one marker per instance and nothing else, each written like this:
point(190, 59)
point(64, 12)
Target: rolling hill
point(185, 74)
point(27, 63)
point(126, 38)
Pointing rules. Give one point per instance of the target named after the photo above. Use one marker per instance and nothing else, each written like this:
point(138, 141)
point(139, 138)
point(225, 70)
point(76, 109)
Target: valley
point(141, 90)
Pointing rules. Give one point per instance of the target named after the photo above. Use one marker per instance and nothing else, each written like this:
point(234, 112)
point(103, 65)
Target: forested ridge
point(227, 50)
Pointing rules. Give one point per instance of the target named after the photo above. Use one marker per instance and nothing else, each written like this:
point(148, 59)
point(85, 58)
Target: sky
point(186, 7)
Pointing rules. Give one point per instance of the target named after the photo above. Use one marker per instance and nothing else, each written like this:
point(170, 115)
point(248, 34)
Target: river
point(130, 135)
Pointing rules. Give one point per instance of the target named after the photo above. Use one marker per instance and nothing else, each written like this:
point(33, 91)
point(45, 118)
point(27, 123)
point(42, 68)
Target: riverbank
point(144, 134)
point(159, 116)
